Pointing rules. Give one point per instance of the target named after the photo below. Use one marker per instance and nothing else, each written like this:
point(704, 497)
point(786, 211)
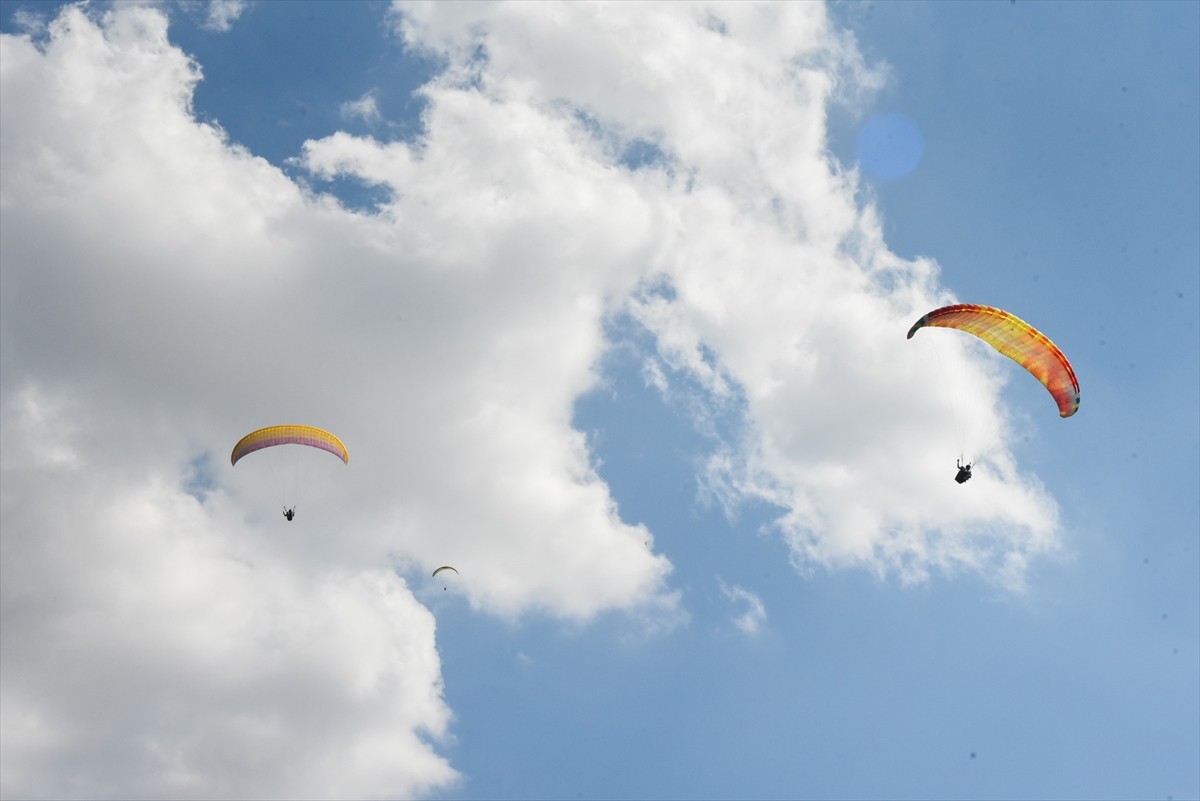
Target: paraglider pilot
point(964, 472)
point(289, 513)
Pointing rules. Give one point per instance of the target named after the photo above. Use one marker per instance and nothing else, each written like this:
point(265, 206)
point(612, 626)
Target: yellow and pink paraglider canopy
point(289, 435)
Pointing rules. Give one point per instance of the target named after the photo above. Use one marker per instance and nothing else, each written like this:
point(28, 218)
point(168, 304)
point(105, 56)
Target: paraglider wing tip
point(1069, 404)
point(916, 325)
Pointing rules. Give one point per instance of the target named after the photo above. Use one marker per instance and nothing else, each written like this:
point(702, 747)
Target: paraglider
point(443, 568)
point(273, 436)
point(1019, 341)
point(1016, 339)
point(289, 435)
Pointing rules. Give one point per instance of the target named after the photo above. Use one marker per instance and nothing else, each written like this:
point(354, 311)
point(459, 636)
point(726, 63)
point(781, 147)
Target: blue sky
point(608, 303)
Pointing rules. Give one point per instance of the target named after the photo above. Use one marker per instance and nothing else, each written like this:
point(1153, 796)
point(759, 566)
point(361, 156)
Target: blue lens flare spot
point(889, 146)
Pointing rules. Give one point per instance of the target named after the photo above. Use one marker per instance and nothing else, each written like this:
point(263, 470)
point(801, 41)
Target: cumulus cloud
point(771, 287)
point(156, 647)
point(163, 292)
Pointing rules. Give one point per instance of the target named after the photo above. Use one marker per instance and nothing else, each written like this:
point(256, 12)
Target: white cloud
point(164, 292)
point(779, 291)
point(169, 292)
point(154, 647)
point(223, 13)
point(224, 298)
point(753, 614)
point(365, 108)
point(31, 22)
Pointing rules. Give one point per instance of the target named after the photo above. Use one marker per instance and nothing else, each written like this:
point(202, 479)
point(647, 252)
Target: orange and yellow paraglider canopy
point(1017, 340)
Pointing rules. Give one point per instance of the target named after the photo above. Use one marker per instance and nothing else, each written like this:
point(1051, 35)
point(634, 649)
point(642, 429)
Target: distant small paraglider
point(442, 569)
